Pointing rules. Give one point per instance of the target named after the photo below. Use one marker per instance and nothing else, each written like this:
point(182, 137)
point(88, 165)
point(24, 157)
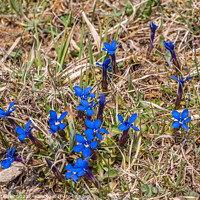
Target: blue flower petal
point(13, 151)
point(81, 173)
point(75, 177)
point(51, 122)
point(99, 64)
point(107, 46)
point(188, 78)
point(87, 90)
point(81, 108)
point(99, 136)
point(78, 91)
point(174, 77)
point(22, 137)
point(89, 112)
point(19, 130)
point(89, 138)
point(89, 132)
point(86, 152)
point(120, 118)
point(94, 144)
point(1, 111)
point(175, 124)
point(186, 120)
point(62, 126)
point(80, 139)
point(103, 130)
point(68, 175)
point(28, 125)
point(113, 44)
point(53, 129)
point(104, 49)
point(122, 127)
point(62, 116)
point(11, 105)
point(185, 127)
point(69, 167)
point(184, 114)
point(92, 95)
point(84, 103)
point(106, 62)
point(79, 148)
point(97, 123)
point(135, 128)
point(132, 118)
point(53, 115)
point(176, 115)
point(89, 123)
point(6, 163)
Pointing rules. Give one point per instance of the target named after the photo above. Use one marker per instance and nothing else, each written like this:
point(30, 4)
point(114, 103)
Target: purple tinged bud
point(115, 67)
point(36, 142)
point(153, 31)
point(55, 170)
point(13, 123)
point(102, 103)
point(17, 159)
point(92, 178)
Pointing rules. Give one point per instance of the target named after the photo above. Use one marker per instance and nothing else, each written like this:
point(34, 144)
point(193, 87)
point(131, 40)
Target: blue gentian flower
point(153, 27)
point(7, 113)
point(84, 95)
point(170, 46)
point(94, 128)
point(181, 81)
point(86, 107)
point(181, 120)
point(180, 91)
point(110, 48)
point(125, 124)
point(55, 122)
point(106, 64)
point(23, 133)
point(85, 144)
point(72, 172)
point(153, 31)
point(79, 169)
point(7, 162)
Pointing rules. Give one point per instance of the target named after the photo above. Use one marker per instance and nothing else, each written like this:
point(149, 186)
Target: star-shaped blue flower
point(94, 128)
point(84, 95)
point(111, 48)
point(106, 64)
point(79, 169)
point(153, 27)
point(85, 144)
point(7, 162)
point(7, 113)
point(125, 124)
point(181, 119)
point(169, 46)
point(55, 122)
point(86, 107)
point(23, 133)
point(181, 81)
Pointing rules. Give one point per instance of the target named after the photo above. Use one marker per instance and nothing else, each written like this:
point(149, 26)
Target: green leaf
point(111, 174)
